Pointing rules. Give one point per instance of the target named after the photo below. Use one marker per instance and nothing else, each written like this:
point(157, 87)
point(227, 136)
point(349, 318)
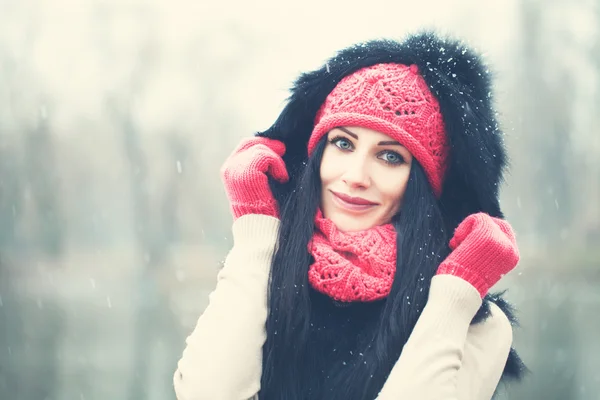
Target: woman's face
point(364, 174)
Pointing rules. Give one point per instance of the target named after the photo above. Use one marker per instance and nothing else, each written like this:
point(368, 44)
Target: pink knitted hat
point(393, 99)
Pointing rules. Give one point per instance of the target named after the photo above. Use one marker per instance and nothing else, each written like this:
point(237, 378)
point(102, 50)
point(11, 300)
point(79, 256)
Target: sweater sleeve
point(223, 355)
point(485, 354)
point(445, 357)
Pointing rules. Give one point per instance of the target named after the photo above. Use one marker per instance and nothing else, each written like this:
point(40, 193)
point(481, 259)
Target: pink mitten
point(245, 173)
point(484, 249)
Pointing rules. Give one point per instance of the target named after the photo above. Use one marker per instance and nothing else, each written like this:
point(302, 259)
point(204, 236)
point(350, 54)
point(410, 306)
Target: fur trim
point(515, 369)
point(459, 79)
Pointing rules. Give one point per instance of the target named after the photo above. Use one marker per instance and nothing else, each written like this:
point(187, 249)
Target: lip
point(352, 203)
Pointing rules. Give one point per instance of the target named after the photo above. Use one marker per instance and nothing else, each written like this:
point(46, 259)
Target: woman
point(367, 234)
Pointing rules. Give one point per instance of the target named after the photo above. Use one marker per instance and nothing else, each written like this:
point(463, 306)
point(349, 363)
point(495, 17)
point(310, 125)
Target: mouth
point(350, 203)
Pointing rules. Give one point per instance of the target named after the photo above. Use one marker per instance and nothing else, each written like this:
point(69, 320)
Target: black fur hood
point(461, 82)
point(462, 85)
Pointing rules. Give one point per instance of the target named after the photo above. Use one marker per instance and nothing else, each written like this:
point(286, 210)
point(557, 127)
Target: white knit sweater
point(445, 357)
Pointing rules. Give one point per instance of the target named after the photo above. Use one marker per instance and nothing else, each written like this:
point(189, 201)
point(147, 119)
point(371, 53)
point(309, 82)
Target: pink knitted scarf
point(352, 266)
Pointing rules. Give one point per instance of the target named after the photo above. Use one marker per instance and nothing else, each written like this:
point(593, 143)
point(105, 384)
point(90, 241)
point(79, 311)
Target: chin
point(351, 223)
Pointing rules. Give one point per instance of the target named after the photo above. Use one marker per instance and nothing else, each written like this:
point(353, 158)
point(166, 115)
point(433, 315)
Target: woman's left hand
point(484, 249)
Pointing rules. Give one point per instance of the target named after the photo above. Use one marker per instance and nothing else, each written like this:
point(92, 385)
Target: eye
point(391, 157)
point(342, 143)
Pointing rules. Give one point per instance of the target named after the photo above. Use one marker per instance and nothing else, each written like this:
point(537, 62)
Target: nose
point(357, 175)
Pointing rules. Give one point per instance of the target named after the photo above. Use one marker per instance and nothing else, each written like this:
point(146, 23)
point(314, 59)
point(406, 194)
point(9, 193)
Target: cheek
point(331, 167)
point(392, 186)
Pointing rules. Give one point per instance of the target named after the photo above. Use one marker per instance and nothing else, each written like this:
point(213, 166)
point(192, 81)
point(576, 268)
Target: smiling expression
point(364, 174)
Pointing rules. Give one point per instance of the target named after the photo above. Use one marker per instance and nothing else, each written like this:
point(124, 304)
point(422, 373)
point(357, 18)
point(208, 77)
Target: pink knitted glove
point(245, 172)
point(484, 249)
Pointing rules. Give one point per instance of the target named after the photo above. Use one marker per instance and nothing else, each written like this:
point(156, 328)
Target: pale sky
point(67, 37)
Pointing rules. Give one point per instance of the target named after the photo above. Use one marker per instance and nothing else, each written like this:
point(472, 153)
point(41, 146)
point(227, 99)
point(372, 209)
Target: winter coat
point(223, 357)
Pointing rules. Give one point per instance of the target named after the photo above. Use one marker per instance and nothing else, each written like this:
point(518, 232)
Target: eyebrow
point(383, 143)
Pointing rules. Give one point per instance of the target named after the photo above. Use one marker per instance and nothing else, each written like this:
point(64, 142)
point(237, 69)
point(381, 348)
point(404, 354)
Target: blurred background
point(116, 115)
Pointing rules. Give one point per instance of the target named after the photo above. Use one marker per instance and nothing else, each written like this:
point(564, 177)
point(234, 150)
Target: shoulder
point(498, 318)
point(494, 332)
point(485, 355)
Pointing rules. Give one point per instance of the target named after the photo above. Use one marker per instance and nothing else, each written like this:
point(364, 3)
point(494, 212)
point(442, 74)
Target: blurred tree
point(153, 319)
point(31, 329)
point(592, 213)
point(154, 322)
point(178, 153)
point(544, 150)
point(11, 173)
point(45, 184)
point(11, 200)
point(11, 195)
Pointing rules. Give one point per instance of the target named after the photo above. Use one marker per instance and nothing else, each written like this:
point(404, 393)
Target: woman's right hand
point(245, 176)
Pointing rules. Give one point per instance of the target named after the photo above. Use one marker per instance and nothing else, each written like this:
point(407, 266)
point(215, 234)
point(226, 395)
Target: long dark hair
point(293, 365)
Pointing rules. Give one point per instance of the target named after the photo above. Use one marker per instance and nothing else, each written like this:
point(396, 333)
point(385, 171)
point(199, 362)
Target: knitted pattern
point(245, 176)
point(352, 266)
point(393, 99)
point(484, 249)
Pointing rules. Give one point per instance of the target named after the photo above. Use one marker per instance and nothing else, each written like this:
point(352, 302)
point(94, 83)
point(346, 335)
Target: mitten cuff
point(448, 267)
point(260, 207)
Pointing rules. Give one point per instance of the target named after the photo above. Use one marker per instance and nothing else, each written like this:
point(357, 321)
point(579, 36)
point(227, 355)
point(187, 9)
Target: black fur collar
point(337, 337)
